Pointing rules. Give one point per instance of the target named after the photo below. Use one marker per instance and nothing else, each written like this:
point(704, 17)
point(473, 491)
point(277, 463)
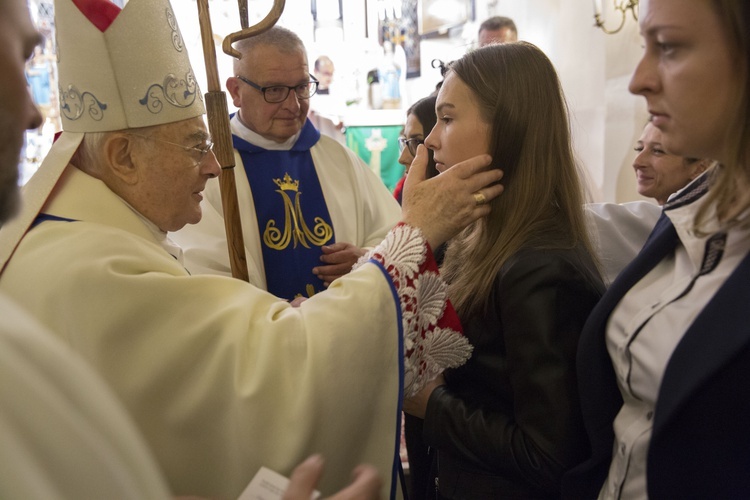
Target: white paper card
point(268, 485)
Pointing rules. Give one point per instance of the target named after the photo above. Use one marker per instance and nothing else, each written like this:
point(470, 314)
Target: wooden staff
point(243, 13)
point(218, 124)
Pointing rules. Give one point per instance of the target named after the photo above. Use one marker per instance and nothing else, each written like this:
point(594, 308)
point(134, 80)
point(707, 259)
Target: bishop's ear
point(122, 153)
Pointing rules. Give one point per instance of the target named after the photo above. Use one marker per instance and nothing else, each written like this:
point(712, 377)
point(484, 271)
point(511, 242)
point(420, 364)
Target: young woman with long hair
point(523, 279)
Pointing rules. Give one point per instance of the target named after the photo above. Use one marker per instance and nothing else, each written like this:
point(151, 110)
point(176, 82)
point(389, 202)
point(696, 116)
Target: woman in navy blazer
point(664, 359)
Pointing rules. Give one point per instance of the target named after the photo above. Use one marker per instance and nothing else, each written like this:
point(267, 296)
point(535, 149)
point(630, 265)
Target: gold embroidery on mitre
point(294, 227)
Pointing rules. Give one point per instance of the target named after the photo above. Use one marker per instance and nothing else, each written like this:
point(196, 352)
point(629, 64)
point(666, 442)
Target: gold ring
point(479, 198)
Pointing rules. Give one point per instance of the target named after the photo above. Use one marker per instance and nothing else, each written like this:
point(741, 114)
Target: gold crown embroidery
point(287, 183)
point(294, 229)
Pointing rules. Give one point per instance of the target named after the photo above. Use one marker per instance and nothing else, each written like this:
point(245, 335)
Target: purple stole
point(293, 219)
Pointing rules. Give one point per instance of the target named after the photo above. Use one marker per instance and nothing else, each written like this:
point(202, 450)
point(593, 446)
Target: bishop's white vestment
point(221, 377)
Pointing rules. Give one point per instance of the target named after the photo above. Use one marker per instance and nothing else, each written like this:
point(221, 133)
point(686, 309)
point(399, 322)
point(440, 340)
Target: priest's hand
point(366, 483)
point(417, 404)
point(339, 257)
point(443, 205)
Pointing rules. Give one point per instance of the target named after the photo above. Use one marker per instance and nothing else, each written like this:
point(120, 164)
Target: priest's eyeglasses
point(412, 144)
point(202, 151)
point(278, 93)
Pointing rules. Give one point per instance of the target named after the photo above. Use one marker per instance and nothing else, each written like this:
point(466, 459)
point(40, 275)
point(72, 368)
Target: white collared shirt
point(243, 132)
point(648, 323)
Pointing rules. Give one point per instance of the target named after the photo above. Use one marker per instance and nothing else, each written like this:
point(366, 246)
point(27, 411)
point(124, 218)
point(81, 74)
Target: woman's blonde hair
point(731, 180)
point(519, 96)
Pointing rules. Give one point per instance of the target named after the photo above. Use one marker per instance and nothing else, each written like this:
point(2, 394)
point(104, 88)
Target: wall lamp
point(620, 6)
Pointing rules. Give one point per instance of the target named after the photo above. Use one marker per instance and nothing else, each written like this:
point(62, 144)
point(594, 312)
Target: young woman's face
point(460, 132)
point(688, 76)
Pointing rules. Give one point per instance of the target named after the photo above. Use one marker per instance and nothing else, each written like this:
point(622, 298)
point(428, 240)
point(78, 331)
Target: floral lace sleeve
point(433, 338)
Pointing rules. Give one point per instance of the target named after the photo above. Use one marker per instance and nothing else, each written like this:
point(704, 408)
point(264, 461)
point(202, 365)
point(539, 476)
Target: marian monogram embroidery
point(294, 228)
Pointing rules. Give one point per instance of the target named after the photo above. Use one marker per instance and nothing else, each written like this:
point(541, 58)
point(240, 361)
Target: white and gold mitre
point(133, 73)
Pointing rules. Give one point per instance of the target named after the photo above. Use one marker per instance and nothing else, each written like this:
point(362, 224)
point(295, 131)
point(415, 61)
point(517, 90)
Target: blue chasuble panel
point(293, 219)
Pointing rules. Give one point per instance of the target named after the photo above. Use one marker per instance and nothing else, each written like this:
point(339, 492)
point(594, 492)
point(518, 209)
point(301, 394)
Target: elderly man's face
point(267, 66)
point(18, 37)
point(171, 175)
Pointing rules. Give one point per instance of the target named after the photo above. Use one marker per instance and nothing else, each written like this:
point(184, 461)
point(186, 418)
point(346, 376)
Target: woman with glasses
point(507, 424)
point(420, 118)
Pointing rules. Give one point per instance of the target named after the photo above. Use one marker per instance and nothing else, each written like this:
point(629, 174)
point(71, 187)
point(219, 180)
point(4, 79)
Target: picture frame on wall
point(436, 17)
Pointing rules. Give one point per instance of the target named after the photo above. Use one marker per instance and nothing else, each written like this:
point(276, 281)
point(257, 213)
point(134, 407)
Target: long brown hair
point(731, 189)
point(519, 95)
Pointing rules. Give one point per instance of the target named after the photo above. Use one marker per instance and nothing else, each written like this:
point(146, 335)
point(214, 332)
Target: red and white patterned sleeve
point(433, 337)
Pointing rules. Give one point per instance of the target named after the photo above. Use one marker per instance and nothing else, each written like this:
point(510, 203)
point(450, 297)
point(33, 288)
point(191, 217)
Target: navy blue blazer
point(700, 444)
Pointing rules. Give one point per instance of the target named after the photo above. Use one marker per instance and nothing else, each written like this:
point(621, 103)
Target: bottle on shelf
point(389, 77)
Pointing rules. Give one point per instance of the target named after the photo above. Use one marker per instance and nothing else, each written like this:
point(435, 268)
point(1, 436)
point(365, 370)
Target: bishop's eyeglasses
point(278, 93)
point(202, 151)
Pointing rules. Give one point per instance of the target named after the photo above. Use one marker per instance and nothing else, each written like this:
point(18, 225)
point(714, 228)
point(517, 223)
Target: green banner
point(378, 148)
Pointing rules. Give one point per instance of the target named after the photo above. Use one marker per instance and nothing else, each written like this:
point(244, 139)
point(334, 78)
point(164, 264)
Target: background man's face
point(18, 37)
point(502, 35)
point(324, 75)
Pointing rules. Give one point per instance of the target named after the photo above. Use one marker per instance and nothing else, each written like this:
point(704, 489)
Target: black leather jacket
point(508, 422)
